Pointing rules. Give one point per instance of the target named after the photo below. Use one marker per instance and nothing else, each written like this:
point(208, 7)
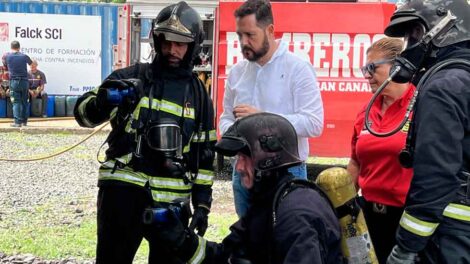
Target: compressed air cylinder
point(355, 240)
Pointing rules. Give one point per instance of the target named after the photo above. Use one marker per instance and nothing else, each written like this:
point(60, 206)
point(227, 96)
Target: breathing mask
point(418, 47)
point(164, 136)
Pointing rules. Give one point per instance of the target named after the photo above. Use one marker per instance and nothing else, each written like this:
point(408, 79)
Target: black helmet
point(179, 23)
point(269, 139)
point(430, 13)
point(426, 26)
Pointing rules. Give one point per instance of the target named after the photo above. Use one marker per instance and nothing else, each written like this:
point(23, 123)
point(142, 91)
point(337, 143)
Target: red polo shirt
point(381, 177)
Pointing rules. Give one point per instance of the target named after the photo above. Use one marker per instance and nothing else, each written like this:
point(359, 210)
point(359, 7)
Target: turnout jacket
point(306, 231)
point(177, 95)
point(438, 198)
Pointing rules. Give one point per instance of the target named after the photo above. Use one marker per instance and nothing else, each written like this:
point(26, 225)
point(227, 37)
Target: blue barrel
point(3, 107)
point(36, 107)
point(50, 105)
point(9, 108)
point(70, 104)
point(59, 105)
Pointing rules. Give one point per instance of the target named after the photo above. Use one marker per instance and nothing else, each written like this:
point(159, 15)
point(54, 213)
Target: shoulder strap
point(282, 192)
point(199, 96)
point(200, 116)
point(288, 187)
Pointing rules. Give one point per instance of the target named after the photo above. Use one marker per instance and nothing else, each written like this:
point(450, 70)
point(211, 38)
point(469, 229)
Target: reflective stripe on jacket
point(422, 228)
point(164, 189)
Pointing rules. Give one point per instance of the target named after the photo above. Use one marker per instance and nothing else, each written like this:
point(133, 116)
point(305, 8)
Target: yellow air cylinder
point(355, 240)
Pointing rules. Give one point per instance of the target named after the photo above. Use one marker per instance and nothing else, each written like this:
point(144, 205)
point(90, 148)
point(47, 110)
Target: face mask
point(412, 56)
point(418, 47)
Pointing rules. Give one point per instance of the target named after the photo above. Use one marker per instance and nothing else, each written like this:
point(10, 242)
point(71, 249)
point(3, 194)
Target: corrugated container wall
point(107, 12)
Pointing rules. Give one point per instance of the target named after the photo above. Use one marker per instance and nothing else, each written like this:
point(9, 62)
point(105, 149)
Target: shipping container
point(76, 44)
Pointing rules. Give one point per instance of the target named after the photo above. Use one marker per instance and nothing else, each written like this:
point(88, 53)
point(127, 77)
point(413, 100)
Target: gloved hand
point(172, 232)
point(102, 99)
point(199, 220)
point(401, 256)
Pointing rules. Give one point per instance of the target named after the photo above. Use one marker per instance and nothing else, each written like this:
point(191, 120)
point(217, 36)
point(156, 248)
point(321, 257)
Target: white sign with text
point(67, 48)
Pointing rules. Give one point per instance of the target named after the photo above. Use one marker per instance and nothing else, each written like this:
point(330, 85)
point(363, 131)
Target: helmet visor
point(230, 146)
point(413, 35)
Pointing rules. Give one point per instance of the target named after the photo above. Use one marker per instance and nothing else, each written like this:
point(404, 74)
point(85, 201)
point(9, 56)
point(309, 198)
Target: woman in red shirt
point(374, 164)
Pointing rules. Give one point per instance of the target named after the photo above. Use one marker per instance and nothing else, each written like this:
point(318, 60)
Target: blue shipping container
point(109, 21)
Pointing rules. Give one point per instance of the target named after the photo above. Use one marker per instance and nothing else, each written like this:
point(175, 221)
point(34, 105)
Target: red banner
point(333, 37)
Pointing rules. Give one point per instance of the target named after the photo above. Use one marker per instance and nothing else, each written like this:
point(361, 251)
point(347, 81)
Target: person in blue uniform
point(16, 62)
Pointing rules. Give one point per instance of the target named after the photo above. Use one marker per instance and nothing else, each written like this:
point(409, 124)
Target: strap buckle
point(379, 208)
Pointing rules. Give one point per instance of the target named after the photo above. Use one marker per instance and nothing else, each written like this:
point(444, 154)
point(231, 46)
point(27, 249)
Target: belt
point(379, 208)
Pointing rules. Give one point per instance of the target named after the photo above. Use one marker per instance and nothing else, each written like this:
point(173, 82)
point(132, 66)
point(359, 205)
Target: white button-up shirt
point(286, 85)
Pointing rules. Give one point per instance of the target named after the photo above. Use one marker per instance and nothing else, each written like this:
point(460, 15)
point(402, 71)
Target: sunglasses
point(371, 67)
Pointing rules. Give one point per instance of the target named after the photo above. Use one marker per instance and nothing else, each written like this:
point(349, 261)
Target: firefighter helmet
point(179, 23)
point(426, 26)
point(269, 139)
point(430, 13)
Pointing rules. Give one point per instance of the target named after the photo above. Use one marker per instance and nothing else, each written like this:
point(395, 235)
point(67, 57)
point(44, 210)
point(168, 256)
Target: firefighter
point(304, 228)
point(436, 221)
point(162, 139)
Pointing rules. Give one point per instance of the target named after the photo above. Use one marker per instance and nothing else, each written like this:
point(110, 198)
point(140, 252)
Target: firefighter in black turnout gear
point(436, 223)
point(289, 221)
point(161, 147)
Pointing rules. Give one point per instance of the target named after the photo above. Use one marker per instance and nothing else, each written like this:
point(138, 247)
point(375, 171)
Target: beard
point(172, 61)
point(254, 55)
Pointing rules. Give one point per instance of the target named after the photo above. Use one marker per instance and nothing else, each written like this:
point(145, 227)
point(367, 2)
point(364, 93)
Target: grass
point(328, 161)
point(51, 242)
point(55, 231)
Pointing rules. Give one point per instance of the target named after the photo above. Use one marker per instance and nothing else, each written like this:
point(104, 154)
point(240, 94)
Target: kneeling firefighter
point(161, 143)
point(289, 221)
point(436, 221)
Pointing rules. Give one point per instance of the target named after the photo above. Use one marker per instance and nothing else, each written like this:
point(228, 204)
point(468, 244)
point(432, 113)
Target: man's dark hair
point(261, 9)
point(15, 45)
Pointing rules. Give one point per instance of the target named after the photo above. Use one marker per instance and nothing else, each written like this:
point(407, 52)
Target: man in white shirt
point(271, 79)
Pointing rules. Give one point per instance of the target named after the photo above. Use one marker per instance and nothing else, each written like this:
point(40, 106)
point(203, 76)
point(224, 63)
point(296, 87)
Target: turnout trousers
point(447, 249)
point(121, 228)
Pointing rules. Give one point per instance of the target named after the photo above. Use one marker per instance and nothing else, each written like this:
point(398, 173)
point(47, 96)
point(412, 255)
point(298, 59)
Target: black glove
point(171, 232)
point(102, 99)
point(401, 256)
point(199, 220)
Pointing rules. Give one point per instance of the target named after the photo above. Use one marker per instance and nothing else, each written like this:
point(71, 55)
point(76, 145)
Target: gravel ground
point(70, 177)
